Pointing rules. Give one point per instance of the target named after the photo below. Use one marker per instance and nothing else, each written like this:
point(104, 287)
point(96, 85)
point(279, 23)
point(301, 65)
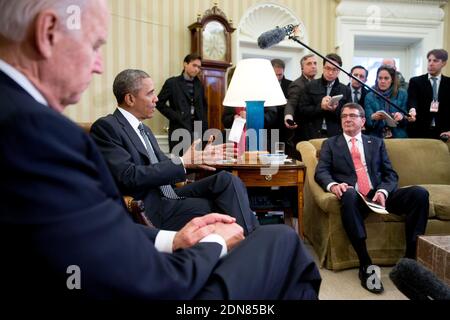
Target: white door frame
point(391, 19)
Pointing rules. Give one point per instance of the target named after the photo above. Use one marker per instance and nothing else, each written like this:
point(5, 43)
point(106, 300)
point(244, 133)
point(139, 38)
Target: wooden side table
point(259, 175)
point(434, 253)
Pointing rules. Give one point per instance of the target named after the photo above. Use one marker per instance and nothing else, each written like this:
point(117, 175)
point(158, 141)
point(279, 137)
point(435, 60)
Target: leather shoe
point(370, 280)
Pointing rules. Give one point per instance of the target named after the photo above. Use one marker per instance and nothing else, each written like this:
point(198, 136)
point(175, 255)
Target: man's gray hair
point(16, 15)
point(128, 81)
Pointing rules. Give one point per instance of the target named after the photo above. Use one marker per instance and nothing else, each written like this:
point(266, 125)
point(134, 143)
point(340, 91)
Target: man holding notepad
point(351, 164)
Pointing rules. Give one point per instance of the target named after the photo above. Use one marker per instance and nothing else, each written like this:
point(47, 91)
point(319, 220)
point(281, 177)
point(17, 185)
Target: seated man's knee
point(224, 176)
point(350, 195)
point(418, 192)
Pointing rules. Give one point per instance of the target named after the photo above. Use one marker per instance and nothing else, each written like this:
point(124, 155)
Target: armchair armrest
point(137, 210)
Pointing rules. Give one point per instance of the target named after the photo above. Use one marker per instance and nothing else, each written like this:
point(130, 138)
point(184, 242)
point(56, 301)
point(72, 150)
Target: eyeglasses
point(330, 69)
point(351, 116)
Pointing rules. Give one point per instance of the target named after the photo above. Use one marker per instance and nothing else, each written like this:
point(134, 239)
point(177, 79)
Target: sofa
point(423, 162)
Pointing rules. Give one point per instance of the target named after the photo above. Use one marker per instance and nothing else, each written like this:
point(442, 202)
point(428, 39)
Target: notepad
point(237, 129)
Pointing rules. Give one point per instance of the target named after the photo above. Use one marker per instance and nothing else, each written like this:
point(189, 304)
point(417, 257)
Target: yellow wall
point(152, 35)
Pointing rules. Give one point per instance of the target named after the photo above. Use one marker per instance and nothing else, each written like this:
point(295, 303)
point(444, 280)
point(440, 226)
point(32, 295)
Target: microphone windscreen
point(271, 38)
point(417, 282)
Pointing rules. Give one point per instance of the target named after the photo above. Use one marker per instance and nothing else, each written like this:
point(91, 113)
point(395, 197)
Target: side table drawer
point(254, 178)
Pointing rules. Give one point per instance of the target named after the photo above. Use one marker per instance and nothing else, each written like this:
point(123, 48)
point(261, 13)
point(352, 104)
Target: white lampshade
point(254, 80)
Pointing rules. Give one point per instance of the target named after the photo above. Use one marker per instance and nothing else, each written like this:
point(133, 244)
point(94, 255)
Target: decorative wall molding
point(264, 17)
point(261, 18)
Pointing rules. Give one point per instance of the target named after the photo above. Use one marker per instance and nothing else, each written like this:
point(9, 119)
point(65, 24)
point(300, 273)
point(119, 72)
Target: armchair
point(424, 162)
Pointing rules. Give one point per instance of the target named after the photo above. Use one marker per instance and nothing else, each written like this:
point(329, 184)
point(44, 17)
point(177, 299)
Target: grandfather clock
point(211, 38)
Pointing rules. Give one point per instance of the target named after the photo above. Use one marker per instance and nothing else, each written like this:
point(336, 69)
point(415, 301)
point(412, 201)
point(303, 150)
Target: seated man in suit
point(352, 163)
point(142, 170)
point(64, 231)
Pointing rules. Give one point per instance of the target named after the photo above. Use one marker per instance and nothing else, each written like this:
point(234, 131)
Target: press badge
point(434, 106)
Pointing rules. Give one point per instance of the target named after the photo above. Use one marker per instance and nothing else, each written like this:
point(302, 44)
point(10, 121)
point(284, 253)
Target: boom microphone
point(274, 36)
point(417, 282)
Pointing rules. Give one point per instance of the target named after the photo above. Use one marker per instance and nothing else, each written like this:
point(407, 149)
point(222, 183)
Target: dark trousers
point(412, 201)
point(221, 192)
point(271, 264)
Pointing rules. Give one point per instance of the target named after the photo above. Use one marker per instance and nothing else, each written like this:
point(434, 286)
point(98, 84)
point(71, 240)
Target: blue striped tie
point(167, 189)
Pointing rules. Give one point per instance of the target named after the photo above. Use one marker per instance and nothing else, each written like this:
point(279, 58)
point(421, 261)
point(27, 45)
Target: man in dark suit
point(358, 91)
point(64, 230)
point(145, 172)
point(308, 65)
point(182, 101)
point(352, 163)
point(318, 115)
point(429, 95)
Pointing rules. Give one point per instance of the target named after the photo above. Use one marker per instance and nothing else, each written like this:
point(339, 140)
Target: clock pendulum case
point(211, 38)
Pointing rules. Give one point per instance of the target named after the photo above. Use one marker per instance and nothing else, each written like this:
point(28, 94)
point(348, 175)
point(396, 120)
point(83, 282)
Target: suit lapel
point(342, 144)
point(183, 87)
point(368, 145)
point(442, 87)
point(131, 133)
point(428, 87)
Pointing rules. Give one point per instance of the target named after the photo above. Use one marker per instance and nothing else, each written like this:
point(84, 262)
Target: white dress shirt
point(164, 239)
point(360, 146)
point(22, 81)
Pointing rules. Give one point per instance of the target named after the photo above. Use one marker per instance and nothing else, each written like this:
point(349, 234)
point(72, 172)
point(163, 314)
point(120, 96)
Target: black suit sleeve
point(293, 98)
point(70, 214)
point(308, 107)
point(389, 177)
point(323, 175)
point(129, 175)
point(167, 95)
point(413, 90)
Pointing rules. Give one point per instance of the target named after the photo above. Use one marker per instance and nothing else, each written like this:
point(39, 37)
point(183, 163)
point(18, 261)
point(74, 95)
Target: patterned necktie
point(435, 98)
point(435, 93)
point(166, 190)
point(361, 174)
point(355, 96)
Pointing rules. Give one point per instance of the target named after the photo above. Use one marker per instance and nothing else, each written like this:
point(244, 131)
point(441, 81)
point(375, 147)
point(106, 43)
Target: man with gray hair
point(400, 78)
point(143, 171)
point(308, 65)
point(64, 229)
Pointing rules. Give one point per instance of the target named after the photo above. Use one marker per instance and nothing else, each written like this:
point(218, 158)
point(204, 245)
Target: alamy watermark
point(73, 21)
point(73, 281)
point(374, 280)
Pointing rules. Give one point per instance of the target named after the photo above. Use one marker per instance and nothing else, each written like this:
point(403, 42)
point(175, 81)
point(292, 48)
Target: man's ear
point(129, 99)
point(46, 33)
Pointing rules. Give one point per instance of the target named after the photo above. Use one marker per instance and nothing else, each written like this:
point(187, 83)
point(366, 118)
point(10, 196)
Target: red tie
point(361, 174)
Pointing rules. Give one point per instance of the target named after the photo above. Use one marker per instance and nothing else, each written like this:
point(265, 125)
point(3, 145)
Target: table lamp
point(254, 86)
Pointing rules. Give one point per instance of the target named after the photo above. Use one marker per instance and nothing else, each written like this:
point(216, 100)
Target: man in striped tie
point(352, 163)
point(143, 171)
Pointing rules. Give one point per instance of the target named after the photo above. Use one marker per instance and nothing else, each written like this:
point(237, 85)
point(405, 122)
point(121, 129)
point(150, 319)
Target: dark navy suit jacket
point(420, 95)
point(336, 164)
point(60, 207)
point(129, 162)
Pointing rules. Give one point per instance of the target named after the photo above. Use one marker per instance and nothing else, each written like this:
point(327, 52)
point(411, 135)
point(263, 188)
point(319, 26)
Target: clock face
point(214, 41)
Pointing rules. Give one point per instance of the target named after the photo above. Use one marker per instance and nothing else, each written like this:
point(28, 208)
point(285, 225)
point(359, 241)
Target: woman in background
point(377, 123)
